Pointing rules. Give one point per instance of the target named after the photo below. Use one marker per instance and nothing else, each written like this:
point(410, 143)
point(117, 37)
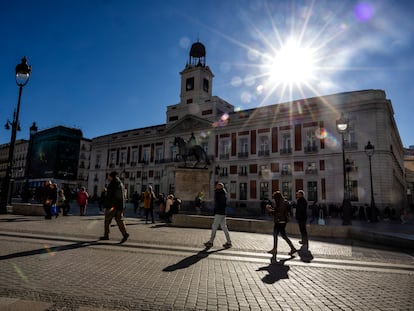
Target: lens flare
point(20, 273)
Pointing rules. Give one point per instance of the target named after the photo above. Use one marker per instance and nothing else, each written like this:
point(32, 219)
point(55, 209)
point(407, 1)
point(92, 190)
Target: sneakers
point(208, 244)
point(104, 238)
point(227, 245)
point(126, 236)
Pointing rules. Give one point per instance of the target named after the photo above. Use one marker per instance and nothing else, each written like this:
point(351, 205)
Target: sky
point(107, 66)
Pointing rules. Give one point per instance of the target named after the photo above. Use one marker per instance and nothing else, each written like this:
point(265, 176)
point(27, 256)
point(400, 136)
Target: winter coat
point(301, 210)
point(115, 195)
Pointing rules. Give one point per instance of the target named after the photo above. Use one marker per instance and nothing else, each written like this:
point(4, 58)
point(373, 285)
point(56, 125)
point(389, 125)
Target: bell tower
point(196, 78)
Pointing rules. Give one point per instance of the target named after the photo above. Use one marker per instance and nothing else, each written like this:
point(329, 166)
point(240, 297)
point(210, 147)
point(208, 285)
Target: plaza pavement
point(59, 264)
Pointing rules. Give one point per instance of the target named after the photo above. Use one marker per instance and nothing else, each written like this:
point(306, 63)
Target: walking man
point(114, 206)
point(302, 215)
point(220, 202)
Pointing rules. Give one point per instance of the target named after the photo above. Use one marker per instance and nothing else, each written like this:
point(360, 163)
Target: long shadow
point(305, 254)
point(49, 250)
point(276, 271)
point(191, 260)
point(20, 219)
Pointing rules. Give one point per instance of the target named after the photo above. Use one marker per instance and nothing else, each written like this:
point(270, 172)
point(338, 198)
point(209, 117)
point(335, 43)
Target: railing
point(311, 149)
point(243, 154)
point(264, 153)
point(286, 151)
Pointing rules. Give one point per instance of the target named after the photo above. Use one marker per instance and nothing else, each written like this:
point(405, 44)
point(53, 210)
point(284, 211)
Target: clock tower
point(196, 78)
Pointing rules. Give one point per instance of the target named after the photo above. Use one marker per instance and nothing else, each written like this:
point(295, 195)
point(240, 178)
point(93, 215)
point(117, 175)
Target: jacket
point(220, 201)
point(301, 210)
point(281, 212)
point(115, 195)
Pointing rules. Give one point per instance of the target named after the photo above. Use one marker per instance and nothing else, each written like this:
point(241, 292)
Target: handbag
point(321, 219)
point(54, 210)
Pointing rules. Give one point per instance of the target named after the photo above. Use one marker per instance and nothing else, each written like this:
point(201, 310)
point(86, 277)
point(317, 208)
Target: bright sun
point(292, 64)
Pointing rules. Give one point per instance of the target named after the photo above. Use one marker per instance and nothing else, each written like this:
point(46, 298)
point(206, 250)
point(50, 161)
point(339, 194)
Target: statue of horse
point(188, 150)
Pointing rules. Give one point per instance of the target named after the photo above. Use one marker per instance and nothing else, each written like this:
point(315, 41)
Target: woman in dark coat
point(281, 217)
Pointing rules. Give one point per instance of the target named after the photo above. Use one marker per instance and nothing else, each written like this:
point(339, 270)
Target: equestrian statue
point(191, 149)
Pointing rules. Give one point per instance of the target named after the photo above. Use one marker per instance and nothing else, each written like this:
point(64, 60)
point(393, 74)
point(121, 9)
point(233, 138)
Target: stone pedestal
point(189, 182)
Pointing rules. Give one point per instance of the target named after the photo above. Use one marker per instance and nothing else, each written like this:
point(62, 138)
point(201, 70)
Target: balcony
point(311, 149)
point(111, 165)
point(311, 171)
point(97, 166)
point(264, 153)
point(243, 154)
point(133, 164)
point(242, 173)
point(285, 151)
point(286, 172)
point(224, 156)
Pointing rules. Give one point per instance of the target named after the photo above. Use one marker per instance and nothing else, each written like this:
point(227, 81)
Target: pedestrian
point(61, 202)
point(281, 217)
point(220, 203)
point(49, 197)
point(135, 200)
point(101, 201)
point(302, 216)
point(161, 206)
point(168, 210)
point(149, 198)
point(114, 206)
point(82, 200)
point(198, 201)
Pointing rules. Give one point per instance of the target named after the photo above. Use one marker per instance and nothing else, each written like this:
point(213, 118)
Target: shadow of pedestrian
point(49, 250)
point(191, 260)
point(305, 254)
point(276, 271)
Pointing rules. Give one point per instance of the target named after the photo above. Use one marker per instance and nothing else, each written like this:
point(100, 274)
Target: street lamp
point(342, 127)
point(23, 71)
point(369, 150)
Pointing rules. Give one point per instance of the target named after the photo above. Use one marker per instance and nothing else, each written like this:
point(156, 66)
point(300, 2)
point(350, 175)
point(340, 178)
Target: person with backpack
point(114, 206)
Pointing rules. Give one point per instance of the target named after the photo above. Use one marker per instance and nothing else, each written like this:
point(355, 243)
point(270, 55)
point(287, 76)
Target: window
point(159, 154)
point(311, 168)
point(189, 84)
point(134, 157)
point(243, 170)
point(233, 185)
point(206, 84)
point(311, 142)
point(243, 191)
point(264, 190)
point(224, 149)
point(286, 169)
point(122, 157)
point(287, 190)
point(204, 145)
point(312, 191)
point(98, 161)
point(243, 147)
point(146, 155)
point(286, 144)
point(112, 158)
point(263, 145)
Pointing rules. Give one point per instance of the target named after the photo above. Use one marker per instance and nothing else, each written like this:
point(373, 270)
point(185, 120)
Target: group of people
point(281, 214)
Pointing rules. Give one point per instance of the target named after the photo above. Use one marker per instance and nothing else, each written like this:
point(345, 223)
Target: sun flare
point(292, 64)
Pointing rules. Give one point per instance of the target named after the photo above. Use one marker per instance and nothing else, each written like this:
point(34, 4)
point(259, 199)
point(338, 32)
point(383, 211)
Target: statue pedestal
point(190, 181)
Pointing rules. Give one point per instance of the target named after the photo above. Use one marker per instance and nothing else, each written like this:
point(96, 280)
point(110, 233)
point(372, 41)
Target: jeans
point(219, 220)
point(280, 228)
point(149, 210)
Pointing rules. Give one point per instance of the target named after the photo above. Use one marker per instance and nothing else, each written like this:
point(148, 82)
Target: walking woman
point(281, 217)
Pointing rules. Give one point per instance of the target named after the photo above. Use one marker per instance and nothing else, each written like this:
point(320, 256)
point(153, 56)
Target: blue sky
point(107, 66)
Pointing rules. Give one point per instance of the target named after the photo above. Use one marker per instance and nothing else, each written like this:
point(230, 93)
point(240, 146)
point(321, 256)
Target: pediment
point(189, 123)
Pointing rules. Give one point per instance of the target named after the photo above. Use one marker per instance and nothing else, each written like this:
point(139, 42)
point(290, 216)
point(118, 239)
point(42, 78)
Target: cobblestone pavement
point(60, 265)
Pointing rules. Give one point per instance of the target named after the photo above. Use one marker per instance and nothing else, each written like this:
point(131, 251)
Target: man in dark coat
point(114, 206)
point(220, 202)
point(302, 215)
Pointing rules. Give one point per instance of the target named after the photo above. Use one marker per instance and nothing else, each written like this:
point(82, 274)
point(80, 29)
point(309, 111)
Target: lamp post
point(23, 71)
point(369, 150)
point(342, 128)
